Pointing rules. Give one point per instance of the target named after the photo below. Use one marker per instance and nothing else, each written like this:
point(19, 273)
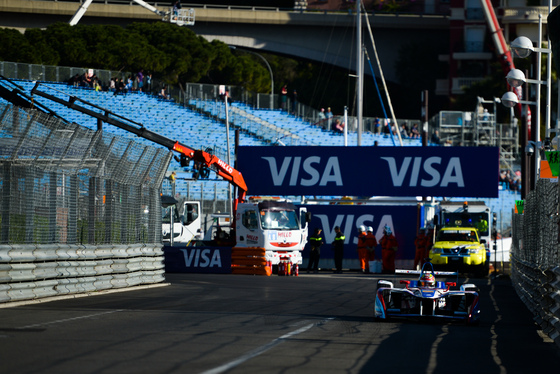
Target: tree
point(15, 47)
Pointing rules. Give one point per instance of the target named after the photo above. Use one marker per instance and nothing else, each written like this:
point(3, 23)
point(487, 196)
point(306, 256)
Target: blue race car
point(427, 298)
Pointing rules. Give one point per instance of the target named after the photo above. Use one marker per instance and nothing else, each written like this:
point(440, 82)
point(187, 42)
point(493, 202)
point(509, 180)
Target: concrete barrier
point(5, 253)
point(32, 272)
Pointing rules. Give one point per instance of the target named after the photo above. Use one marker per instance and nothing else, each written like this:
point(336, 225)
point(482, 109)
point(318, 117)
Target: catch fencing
point(80, 209)
point(535, 256)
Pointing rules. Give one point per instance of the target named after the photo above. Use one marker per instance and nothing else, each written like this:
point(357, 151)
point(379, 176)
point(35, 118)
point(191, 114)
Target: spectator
point(148, 83)
point(92, 80)
point(163, 93)
point(338, 126)
point(140, 78)
point(377, 126)
point(128, 84)
point(415, 132)
point(96, 85)
point(74, 81)
point(225, 95)
point(120, 87)
point(322, 115)
point(294, 102)
point(85, 80)
point(284, 97)
point(386, 128)
point(404, 131)
point(329, 116)
point(468, 118)
point(435, 138)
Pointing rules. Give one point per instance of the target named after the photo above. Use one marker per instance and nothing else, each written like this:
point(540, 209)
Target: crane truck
point(270, 223)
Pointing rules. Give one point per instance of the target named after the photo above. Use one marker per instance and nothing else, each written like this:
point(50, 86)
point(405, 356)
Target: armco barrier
point(30, 272)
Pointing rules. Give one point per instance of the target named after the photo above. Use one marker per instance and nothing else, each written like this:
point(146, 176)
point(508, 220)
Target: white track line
point(258, 351)
point(69, 319)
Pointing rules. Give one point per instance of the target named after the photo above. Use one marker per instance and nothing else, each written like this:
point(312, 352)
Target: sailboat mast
point(359, 71)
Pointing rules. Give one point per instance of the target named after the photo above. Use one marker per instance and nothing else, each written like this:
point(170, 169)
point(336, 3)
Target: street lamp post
point(269, 70)
point(523, 47)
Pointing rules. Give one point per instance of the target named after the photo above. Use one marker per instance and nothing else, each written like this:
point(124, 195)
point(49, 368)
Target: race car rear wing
point(405, 271)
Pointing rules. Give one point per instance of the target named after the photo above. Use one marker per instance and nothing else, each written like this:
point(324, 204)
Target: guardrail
point(30, 272)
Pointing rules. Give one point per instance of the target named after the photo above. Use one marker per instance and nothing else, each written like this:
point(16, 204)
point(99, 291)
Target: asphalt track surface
point(314, 323)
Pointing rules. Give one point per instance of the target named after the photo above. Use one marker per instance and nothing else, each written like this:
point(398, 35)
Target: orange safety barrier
point(248, 251)
point(252, 270)
point(249, 260)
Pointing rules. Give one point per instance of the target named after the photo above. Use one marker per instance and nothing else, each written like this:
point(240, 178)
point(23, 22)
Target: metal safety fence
point(65, 185)
point(535, 256)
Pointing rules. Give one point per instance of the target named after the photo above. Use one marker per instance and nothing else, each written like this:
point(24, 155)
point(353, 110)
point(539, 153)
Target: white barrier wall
point(30, 272)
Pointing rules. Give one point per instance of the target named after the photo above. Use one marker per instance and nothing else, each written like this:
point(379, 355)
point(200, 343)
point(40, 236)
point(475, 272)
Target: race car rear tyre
point(472, 323)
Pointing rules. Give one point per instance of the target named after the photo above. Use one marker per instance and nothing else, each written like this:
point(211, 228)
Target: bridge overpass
point(325, 37)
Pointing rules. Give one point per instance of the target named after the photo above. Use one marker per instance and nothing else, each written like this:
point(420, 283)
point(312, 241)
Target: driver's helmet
point(370, 229)
point(427, 280)
point(387, 230)
point(362, 228)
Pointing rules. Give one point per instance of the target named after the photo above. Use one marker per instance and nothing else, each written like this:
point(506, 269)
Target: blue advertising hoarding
point(370, 171)
point(182, 259)
point(401, 219)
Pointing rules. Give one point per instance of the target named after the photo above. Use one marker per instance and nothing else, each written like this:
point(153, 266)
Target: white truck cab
point(274, 224)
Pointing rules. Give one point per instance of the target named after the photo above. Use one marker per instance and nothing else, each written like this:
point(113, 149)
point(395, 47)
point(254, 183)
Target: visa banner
point(197, 259)
point(370, 171)
point(401, 219)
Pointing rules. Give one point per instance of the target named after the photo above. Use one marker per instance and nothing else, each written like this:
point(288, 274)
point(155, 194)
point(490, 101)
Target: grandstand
point(201, 125)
